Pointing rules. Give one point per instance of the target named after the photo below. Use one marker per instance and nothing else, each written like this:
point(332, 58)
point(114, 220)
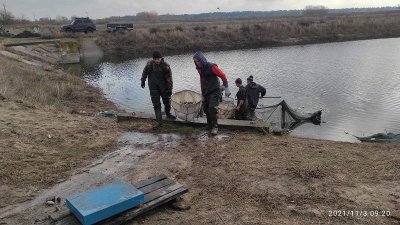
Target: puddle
point(117, 165)
point(205, 137)
point(148, 140)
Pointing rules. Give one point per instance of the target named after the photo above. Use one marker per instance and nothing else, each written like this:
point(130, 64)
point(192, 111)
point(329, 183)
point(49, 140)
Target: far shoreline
point(191, 36)
point(111, 56)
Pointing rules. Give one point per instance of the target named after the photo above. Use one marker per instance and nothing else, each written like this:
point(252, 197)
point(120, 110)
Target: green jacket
point(158, 74)
point(242, 95)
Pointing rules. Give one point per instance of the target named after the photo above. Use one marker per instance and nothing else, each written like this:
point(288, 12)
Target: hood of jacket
point(206, 66)
point(253, 85)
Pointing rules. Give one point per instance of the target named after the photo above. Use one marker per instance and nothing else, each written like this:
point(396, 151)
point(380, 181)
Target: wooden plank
point(161, 192)
point(157, 185)
point(151, 180)
point(200, 121)
point(129, 215)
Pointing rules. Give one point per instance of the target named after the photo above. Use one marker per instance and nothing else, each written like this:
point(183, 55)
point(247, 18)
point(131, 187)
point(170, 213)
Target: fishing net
point(226, 108)
point(283, 116)
point(186, 104)
point(381, 137)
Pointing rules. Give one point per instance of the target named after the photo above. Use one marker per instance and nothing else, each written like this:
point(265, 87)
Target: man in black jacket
point(160, 85)
point(254, 92)
point(210, 89)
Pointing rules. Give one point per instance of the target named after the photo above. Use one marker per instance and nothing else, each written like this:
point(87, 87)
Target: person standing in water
point(241, 109)
point(254, 92)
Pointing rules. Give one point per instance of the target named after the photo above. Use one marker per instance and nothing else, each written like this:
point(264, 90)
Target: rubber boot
point(214, 124)
point(214, 130)
point(209, 124)
point(158, 119)
point(168, 113)
point(251, 115)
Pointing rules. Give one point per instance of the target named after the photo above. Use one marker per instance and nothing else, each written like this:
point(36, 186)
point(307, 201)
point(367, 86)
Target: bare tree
point(5, 16)
point(151, 16)
point(315, 10)
point(62, 19)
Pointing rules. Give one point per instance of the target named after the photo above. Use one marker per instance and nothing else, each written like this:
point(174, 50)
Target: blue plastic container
point(98, 204)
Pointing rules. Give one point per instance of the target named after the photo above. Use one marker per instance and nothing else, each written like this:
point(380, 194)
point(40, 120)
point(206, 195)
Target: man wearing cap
point(160, 85)
point(240, 110)
point(254, 92)
point(210, 89)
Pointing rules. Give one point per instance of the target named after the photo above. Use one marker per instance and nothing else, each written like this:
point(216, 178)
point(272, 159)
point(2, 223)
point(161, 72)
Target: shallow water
point(355, 84)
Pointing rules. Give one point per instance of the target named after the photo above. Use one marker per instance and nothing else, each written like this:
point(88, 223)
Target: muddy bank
point(244, 178)
point(187, 37)
point(119, 164)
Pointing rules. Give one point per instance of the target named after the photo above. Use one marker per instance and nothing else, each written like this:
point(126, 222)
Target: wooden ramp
point(200, 121)
point(157, 190)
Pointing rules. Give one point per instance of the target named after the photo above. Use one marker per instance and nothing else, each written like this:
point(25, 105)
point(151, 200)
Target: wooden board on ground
point(157, 190)
point(200, 121)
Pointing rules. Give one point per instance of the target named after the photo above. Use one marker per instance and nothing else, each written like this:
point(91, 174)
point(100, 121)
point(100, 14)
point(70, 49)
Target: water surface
point(355, 84)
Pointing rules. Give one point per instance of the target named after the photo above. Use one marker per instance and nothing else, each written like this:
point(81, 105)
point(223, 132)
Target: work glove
point(227, 92)
point(143, 84)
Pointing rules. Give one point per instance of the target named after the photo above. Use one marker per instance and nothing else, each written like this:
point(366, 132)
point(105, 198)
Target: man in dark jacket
point(254, 92)
point(241, 109)
point(210, 89)
point(160, 85)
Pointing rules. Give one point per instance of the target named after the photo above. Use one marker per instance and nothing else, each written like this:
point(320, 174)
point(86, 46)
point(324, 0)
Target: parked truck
point(82, 24)
point(113, 27)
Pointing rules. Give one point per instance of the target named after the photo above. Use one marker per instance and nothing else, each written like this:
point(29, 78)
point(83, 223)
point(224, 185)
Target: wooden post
point(283, 118)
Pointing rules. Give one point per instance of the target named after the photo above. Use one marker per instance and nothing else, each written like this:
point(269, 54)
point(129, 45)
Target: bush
point(154, 30)
point(245, 29)
point(305, 23)
point(179, 28)
point(258, 27)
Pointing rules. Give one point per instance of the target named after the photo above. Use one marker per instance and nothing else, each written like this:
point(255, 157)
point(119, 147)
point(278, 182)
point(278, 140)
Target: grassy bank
point(48, 128)
point(183, 37)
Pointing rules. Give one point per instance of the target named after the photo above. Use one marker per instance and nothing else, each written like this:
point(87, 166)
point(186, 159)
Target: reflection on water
point(355, 84)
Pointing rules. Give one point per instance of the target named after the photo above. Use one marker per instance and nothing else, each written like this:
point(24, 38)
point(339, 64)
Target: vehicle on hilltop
point(80, 24)
point(114, 27)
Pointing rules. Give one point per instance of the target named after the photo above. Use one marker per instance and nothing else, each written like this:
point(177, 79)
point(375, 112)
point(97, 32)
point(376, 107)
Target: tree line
point(7, 17)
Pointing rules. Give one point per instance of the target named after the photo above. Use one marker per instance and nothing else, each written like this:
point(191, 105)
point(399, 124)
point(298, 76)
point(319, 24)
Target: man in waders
point(241, 109)
point(210, 89)
point(254, 92)
point(160, 85)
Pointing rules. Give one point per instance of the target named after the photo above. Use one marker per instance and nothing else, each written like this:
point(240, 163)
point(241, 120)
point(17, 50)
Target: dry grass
point(44, 133)
point(49, 89)
point(191, 36)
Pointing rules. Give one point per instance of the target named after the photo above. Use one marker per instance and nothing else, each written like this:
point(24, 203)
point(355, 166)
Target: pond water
point(355, 84)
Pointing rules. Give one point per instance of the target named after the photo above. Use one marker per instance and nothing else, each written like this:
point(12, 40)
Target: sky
point(104, 8)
